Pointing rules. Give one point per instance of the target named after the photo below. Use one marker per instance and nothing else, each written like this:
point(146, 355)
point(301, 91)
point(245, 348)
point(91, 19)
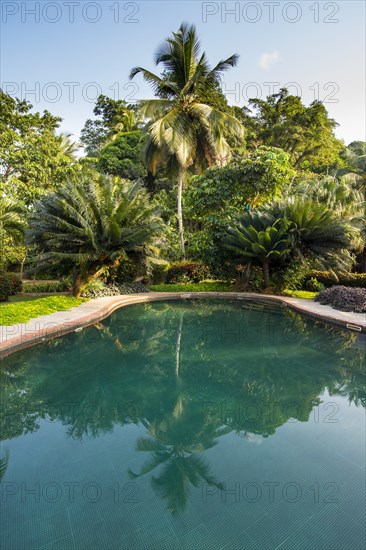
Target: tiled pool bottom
point(186, 426)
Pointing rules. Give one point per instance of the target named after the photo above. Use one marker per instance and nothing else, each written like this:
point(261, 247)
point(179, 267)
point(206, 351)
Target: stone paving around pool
point(15, 337)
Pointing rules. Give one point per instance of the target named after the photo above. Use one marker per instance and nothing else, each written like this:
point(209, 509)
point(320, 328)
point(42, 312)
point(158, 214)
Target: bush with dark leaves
point(344, 298)
point(9, 286)
point(187, 272)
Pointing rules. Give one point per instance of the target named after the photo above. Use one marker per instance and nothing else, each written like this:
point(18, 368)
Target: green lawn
point(204, 286)
point(305, 294)
point(22, 308)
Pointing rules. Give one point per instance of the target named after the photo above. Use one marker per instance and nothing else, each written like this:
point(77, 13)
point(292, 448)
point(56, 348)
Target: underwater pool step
point(262, 306)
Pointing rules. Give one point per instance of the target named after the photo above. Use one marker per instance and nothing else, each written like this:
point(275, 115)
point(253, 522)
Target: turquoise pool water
point(203, 424)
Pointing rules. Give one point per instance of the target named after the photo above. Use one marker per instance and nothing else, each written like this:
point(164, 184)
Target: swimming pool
point(186, 424)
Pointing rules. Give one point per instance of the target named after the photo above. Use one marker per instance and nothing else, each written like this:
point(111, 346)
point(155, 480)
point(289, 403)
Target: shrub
point(313, 285)
point(126, 272)
point(290, 276)
point(47, 286)
point(249, 279)
point(328, 279)
point(159, 272)
point(344, 298)
point(9, 285)
point(187, 272)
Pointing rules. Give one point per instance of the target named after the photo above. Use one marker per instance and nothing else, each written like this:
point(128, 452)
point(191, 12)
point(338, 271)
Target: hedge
point(355, 280)
point(53, 286)
point(187, 272)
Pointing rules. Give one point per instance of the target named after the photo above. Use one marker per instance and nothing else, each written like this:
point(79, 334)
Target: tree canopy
point(306, 133)
point(33, 158)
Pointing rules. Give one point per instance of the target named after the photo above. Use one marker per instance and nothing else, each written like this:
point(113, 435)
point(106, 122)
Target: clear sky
point(60, 54)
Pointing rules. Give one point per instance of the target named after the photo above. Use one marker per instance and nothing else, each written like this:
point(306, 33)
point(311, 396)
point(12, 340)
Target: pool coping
point(54, 325)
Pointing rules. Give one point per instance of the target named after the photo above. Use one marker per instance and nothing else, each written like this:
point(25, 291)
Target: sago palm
point(260, 238)
point(95, 224)
point(183, 130)
point(319, 235)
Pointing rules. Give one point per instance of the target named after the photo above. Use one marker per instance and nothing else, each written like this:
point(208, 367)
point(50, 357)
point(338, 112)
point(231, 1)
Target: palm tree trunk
point(180, 213)
point(82, 277)
point(265, 267)
point(92, 272)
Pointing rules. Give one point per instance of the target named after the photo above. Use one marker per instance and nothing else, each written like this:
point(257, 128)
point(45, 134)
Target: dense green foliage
point(306, 133)
point(260, 238)
point(123, 156)
point(46, 287)
point(299, 231)
point(95, 224)
point(329, 279)
point(265, 193)
point(113, 116)
point(187, 272)
point(9, 286)
point(222, 193)
point(12, 214)
point(33, 158)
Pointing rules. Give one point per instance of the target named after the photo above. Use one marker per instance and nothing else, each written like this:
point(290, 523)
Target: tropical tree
point(113, 116)
point(123, 156)
point(296, 229)
point(221, 193)
point(95, 224)
point(306, 133)
point(33, 158)
point(183, 130)
point(258, 237)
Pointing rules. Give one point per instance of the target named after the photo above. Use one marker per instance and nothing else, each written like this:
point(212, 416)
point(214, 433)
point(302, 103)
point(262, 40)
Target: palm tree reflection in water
point(160, 376)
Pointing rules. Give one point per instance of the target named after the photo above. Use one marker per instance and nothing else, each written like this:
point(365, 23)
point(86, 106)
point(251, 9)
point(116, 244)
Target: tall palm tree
point(95, 224)
point(183, 129)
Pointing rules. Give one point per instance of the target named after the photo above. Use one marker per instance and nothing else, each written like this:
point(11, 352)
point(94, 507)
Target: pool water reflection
point(186, 424)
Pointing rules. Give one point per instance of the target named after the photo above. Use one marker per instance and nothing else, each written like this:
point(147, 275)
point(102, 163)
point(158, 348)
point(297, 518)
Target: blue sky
point(60, 54)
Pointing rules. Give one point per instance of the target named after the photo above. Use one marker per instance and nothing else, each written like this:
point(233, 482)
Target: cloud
point(268, 59)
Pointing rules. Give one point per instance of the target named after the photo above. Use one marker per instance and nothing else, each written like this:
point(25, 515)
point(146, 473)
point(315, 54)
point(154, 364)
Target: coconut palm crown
point(183, 129)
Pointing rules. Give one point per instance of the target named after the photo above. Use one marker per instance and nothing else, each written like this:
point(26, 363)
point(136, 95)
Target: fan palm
point(259, 237)
point(184, 130)
point(95, 224)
